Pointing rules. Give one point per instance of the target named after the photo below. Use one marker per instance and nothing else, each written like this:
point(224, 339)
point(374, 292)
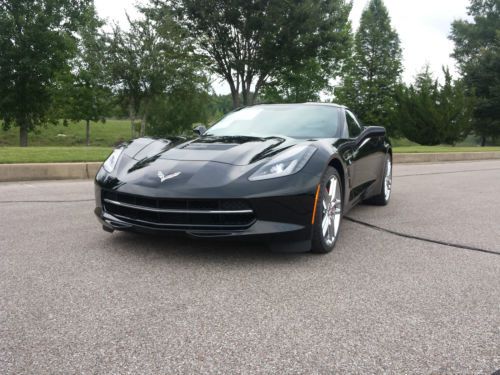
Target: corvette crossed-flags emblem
point(163, 178)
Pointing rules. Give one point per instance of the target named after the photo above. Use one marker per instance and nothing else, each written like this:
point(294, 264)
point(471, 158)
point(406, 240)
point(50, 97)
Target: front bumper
point(283, 222)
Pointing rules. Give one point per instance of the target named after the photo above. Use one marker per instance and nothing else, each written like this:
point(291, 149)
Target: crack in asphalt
point(449, 172)
point(422, 239)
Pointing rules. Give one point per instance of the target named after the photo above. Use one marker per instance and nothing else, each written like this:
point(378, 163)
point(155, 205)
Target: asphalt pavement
point(412, 288)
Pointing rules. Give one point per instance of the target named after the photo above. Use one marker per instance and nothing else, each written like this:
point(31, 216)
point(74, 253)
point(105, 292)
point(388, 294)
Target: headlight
point(289, 162)
point(111, 161)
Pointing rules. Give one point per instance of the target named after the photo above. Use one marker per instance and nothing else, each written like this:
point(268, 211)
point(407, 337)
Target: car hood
point(203, 166)
point(228, 150)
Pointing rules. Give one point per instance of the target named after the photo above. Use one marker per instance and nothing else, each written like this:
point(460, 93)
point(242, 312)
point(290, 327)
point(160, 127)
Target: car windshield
point(295, 121)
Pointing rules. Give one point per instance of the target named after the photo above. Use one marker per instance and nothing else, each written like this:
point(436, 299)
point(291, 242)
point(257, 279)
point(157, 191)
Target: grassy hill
point(105, 134)
point(59, 143)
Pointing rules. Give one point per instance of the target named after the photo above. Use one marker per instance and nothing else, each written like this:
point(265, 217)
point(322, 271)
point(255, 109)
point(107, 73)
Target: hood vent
point(210, 146)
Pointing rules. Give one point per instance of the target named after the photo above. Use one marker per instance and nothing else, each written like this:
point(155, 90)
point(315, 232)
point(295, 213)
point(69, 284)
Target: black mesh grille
point(179, 220)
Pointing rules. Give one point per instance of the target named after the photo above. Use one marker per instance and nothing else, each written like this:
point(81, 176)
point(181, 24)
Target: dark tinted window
point(352, 125)
point(291, 120)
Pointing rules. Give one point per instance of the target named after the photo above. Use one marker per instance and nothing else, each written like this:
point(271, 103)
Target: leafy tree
point(218, 106)
point(85, 93)
point(373, 74)
point(176, 112)
point(432, 114)
point(418, 115)
point(301, 84)
point(455, 110)
point(129, 74)
point(148, 61)
point(477, 51)
point(36, 43)
point(247, 43)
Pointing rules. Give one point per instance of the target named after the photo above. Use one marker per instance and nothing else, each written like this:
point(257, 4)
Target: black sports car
point(284, 174)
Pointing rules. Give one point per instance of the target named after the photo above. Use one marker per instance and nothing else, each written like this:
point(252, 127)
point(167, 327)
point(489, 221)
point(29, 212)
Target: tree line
point(60, 61)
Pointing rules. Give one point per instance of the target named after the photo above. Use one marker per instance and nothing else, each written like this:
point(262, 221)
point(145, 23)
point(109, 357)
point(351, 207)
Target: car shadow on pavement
point(207, 250)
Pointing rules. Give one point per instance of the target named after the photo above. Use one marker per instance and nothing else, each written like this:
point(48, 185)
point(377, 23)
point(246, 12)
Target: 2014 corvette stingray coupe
point(284, 174)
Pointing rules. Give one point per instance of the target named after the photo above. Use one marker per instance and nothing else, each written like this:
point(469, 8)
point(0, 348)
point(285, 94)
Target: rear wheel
point(383, 198)
point(329, 208)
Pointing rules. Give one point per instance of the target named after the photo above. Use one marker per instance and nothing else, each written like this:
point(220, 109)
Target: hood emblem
point(163, 178)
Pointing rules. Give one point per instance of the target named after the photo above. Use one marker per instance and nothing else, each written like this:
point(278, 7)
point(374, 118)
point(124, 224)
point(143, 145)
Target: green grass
point(402, 142)
point(10, 155)
point(34, 154)
point(440, 149)
point(107, 134)
point(59, 143)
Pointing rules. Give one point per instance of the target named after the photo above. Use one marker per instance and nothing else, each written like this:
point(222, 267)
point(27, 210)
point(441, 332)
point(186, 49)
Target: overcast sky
point(423, 27)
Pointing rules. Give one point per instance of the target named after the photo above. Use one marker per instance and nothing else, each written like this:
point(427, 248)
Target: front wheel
point(329, 209)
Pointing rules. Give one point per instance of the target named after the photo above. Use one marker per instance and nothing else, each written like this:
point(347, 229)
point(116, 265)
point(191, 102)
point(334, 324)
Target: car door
point(361, 156)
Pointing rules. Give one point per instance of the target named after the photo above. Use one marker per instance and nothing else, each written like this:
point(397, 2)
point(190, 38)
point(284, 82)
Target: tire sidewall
point(386, 201)
point(319, 243)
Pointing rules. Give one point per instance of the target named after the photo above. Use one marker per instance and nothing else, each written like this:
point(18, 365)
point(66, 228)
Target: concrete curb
point(67, 171)
point(443, 157)
point(47, 171)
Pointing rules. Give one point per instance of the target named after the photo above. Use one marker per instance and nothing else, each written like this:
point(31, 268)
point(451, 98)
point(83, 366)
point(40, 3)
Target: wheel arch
point(337, 164)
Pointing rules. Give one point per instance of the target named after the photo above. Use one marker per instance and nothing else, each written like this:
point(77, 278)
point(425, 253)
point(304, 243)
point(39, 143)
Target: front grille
point(167, 213)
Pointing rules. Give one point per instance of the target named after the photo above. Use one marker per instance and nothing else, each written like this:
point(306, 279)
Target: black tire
point(319, 243)
point(382, 199)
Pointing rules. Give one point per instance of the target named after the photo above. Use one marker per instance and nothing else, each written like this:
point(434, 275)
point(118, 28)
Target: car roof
point(307, 103)
point(326, 104)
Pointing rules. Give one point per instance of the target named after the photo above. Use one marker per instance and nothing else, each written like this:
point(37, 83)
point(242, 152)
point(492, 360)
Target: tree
point(148, 61)
point(432, 114)
point(176, 112)
point(455, 110)
point(126, 52)
point(218, 106)
point(477, 51)
point(247, 43)
point(418, 115)
point(300, 84)
point(85, 93)
point(36, 43)
point(374, 72)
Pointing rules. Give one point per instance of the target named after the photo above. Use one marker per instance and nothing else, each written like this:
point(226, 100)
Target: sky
point(423, 27)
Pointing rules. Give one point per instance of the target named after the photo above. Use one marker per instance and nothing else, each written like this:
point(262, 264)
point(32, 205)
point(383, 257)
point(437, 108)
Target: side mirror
point(373, 131)
point(200, 129)
point(369, 132)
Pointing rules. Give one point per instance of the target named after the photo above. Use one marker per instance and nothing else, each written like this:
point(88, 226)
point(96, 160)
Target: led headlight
point(111, 161)
point(288, 162)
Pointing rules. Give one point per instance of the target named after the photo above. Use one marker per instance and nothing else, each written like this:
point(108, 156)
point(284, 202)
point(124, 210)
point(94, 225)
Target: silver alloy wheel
point(388, 180)
point(332, 209)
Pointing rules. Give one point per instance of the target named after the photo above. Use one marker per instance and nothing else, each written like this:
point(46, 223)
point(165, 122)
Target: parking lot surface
point(413, 287)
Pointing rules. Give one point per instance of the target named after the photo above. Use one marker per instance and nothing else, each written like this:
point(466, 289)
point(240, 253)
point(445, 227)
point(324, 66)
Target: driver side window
point(353, 126)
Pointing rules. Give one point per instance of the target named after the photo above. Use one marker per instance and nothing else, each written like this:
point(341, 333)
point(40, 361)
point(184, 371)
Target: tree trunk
point(483, 141)
point(236, 98)
point(245, 94)
point(23, 133)
point(87, 133)
point(235, 89)
point(143, 125)
point(258, 86)
point(131, 116)
point(246, 87)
